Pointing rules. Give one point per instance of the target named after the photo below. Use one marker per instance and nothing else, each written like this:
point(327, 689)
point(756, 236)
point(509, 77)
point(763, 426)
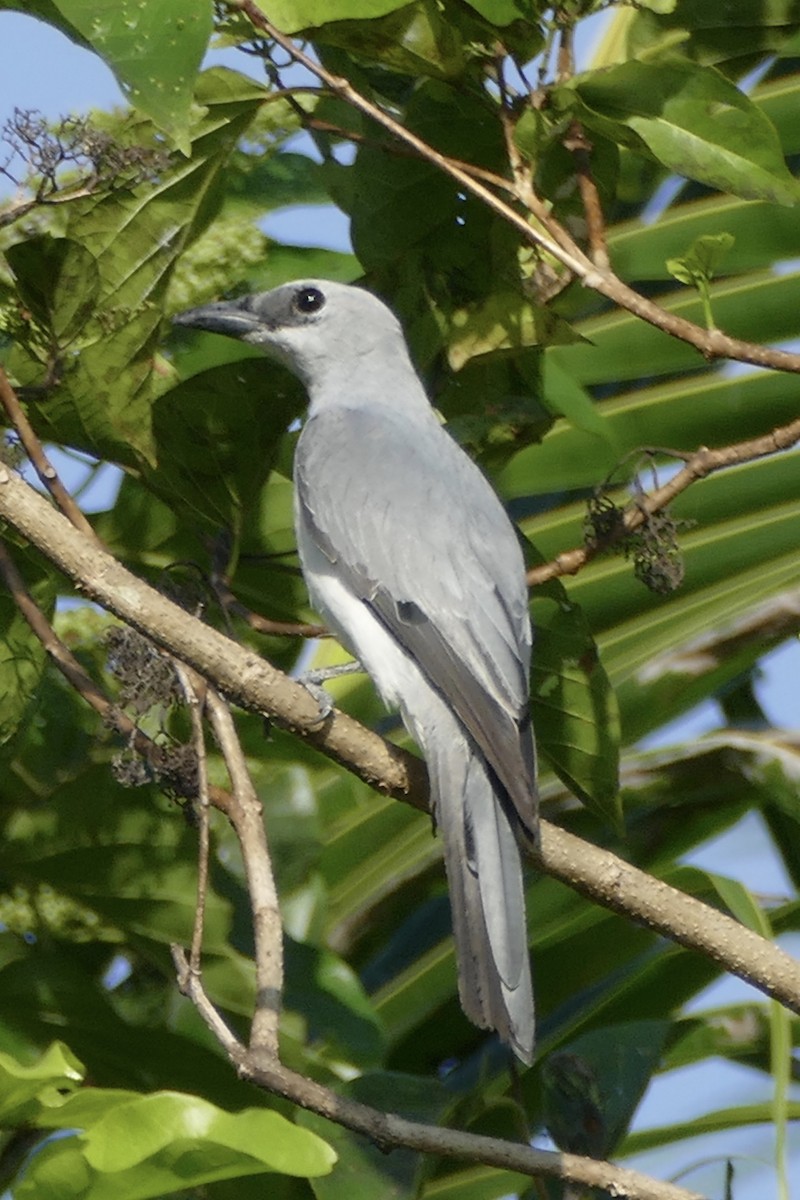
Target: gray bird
point(411, 560)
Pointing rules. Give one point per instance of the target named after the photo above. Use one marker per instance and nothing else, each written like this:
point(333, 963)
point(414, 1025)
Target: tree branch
point(35, 452)
point(246, 815)
point(702, 463)
point(389, 1129)
point(256, 685)
point(193, 689)
point(712, 343)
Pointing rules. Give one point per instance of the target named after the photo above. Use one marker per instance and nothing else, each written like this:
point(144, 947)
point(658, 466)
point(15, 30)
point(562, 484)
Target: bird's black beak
point(230, 317)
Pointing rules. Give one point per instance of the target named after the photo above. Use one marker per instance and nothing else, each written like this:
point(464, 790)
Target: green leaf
point(103, 400)
point(564, 396)
point(142, 1128)
point(339, 1016)
point(84, 1108)
point(711, 1122)
point(136, 887)
point(155, 53)
point(742, 904)
point(739, 1032)
point(574, 708)
point(58, 280)
point(697, 267)
point(217, 436)
point(501, 12)
point(734, 37)
point(701, 261)
point(693, 121)
point(506, 321)
point(618, 347)
point(290, 16)
point(153, 1145)
point(593, 1085)
point(416, 39)
point(24, 1088)
point(22, 655)
point(762, 233)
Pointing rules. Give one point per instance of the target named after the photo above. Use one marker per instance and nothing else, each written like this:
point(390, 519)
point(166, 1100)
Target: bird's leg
point(312, 681)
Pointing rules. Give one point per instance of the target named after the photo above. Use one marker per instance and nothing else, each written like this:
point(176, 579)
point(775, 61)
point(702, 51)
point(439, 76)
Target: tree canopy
point(579, 258)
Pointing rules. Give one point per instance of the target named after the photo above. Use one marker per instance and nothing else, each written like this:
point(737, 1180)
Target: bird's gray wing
point(417, 533)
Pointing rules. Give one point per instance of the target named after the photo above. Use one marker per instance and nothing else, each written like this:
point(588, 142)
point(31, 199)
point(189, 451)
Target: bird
point(412, 561)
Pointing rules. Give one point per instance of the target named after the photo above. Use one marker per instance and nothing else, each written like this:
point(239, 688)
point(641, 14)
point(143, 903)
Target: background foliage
point(692, 120)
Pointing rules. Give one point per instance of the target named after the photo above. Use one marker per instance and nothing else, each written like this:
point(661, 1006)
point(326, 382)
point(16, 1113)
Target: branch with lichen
point(67, 161)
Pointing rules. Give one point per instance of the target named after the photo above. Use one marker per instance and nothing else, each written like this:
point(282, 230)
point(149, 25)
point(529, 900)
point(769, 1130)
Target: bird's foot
point(312, 681)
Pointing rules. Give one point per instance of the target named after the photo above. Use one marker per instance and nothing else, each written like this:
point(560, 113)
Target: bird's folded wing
point(417, 533)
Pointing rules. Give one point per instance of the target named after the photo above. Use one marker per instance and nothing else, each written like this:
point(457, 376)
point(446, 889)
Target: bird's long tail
point(484, 872)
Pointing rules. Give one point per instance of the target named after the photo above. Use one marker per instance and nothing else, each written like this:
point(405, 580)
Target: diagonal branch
point(253, 683)
point(698, 466)
point(35, 452)
point(712, 343)
point(389, 1129)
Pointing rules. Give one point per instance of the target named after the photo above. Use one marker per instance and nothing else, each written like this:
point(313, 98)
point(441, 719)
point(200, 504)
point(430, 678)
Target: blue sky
point(40, 69)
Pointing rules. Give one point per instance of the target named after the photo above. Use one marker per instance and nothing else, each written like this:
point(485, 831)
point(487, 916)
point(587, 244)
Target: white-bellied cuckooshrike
point(412, 561)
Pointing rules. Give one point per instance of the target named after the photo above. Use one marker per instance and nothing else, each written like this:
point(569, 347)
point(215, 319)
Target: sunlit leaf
point(693, 121)
point(155, 54)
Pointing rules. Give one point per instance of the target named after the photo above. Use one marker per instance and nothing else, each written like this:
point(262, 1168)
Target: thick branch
point(711, 343)
point(254, 684)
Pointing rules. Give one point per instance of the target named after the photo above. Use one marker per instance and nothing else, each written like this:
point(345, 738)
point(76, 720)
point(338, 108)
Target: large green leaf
point(131, 240)
point(22, 655)
point(59, 282)
point(217, 438)
point(682, 413)
point(692, 120)
point(154, 53)
point(293, 15)
point(153, 1145)
point(23, 1086)
point(574, 709)
point(733, 37)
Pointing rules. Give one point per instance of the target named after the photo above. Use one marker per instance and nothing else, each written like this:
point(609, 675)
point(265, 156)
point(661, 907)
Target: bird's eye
point(309, 300)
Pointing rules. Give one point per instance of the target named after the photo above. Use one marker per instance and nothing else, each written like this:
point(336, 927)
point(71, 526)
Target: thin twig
point(698, 466)
point(579, 146)
point(403, 151)
point(253, 683)
point(248, 821)
point(23, 207)
point(389, 1129)
point(191, 985)
point(260, 624)
point(520, 168)
point(35, 452)
point(712, 343)
point(193, 689)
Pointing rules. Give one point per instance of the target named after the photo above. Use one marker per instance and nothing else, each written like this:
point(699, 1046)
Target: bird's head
point(312, 326)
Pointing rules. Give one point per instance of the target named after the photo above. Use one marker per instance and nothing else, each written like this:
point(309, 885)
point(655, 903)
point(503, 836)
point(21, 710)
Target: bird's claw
point(313, 680)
